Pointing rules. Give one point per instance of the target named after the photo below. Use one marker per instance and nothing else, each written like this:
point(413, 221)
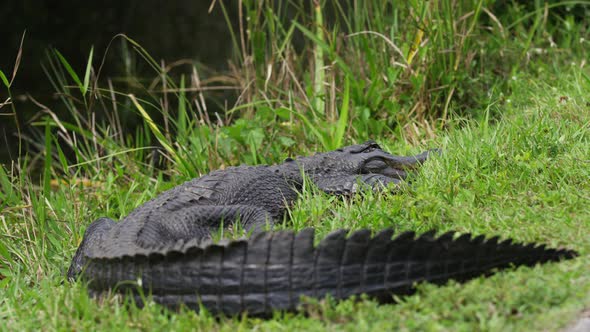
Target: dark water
point(169, 30)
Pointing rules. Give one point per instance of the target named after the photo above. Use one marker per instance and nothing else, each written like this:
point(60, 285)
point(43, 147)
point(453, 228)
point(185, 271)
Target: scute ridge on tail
point(272, 270)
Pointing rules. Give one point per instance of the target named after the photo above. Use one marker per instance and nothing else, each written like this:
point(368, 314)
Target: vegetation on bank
point(501, 88)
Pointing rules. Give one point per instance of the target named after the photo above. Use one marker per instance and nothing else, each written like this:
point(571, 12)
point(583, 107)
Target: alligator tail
point(272, 270)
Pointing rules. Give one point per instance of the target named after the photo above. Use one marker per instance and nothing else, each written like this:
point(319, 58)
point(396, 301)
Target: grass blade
point(19, 56)
point(47, 164)
point(154, 128)
point(343, 116)
point(4, 79)
point(70, 70)
point(182, 114)
point(319, 135)
point(84, 88)
point(318, 57)
point(4, 253)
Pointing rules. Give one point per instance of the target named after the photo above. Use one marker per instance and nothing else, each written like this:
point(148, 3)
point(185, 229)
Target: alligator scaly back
point(272, 270)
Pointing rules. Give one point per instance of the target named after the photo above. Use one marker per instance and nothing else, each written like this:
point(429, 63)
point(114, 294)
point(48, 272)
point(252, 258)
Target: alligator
point(164, 250)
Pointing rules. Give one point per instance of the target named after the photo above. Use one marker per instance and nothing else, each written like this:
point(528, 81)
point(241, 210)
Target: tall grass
point(407, 63)
point(307, 73)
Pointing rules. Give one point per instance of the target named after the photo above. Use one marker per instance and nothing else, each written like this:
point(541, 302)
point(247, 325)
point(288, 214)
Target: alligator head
point(339, 171)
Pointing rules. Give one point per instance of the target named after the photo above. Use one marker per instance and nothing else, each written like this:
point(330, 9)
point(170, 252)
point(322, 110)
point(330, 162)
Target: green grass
point(524, 176)
point(503, 93)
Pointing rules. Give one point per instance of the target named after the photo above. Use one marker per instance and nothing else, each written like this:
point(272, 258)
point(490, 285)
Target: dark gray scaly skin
point(162, 246)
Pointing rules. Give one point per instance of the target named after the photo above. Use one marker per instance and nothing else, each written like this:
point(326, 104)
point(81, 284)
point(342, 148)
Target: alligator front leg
point(352, 184)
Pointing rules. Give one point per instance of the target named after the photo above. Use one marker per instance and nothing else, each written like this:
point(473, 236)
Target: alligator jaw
point(399, 166)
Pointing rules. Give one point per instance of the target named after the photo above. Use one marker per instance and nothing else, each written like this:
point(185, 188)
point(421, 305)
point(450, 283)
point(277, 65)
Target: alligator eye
point(374, 166)
point(363, 148)
point(370, 147)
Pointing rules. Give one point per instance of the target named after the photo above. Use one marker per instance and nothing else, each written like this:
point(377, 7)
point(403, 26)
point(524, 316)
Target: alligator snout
point(411, 162)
